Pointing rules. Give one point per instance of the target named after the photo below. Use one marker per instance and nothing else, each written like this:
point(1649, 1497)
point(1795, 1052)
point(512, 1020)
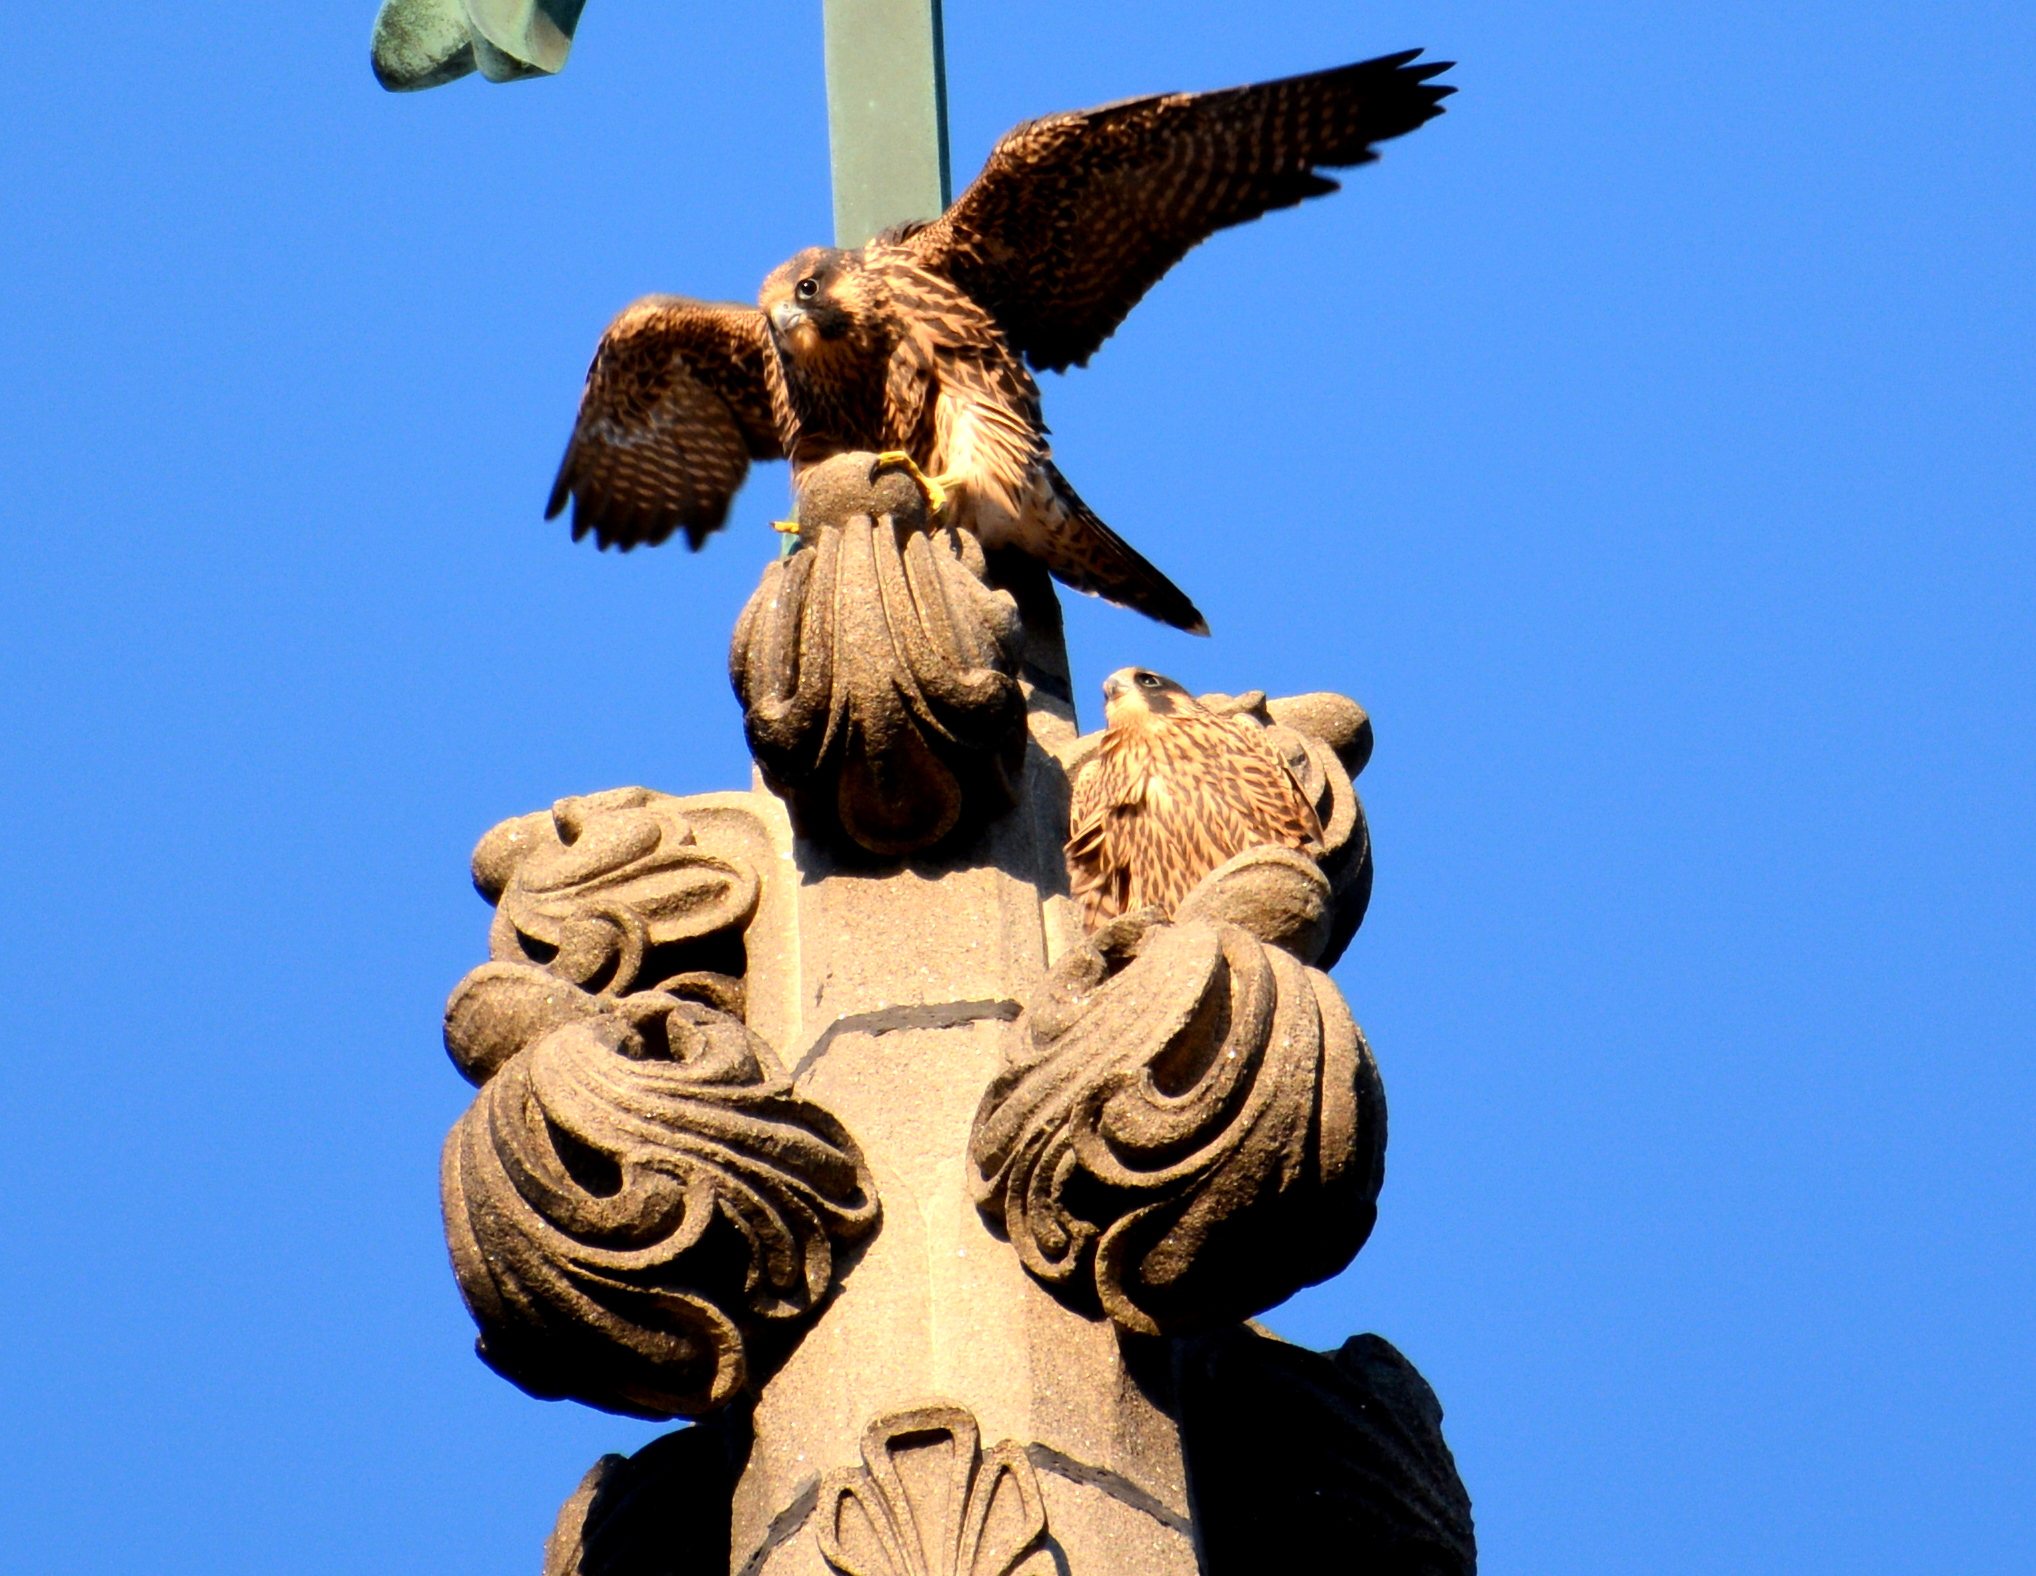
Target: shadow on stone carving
point(1293, 1452)
point(1326, 740)
point(928, 1501)
point(878, 671)
point(640, 1211)
point(664, 1511)
point(1192, 1127)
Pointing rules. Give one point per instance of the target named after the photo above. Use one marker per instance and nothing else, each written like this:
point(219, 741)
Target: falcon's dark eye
point(808, 288)
point(1148, 681)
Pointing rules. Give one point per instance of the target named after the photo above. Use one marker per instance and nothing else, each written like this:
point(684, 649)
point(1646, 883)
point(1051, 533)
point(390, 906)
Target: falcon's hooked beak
point(787, 316)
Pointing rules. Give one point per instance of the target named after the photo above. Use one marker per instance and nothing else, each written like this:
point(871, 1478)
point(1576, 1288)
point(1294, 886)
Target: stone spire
point(810, 1112)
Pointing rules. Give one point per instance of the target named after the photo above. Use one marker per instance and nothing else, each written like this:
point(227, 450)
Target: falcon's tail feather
point(1097, 561)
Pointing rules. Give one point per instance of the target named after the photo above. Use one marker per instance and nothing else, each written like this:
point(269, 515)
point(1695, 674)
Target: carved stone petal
point(1320, 766)
point(1194, 1131)
point(421, 44)
point(878, 671)
point(929, 1502)
point(623, 1222)
point(1280, 896)
point(1346, 836)
point(1336, 720)
point(533, 33)
point(499, 1008)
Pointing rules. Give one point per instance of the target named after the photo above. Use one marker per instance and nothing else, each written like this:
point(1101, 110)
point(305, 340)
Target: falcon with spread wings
point(1172, 792)
point(917, 345)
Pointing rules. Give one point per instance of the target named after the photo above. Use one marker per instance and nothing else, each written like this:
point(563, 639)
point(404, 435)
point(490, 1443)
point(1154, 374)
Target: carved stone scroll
point(878, 671)
point(1193, 1127)
point(637, 1197)
point(1327, 741)
point(928, 1501)
point(608, 890)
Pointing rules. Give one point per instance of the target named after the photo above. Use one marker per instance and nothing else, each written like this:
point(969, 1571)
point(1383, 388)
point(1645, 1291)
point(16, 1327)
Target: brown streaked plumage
point(919, 342)
point(1172, 792)
point(678, 401)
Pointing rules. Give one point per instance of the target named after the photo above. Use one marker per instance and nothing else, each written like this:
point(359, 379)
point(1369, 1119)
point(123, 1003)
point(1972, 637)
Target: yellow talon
point(786, 527)
point(930, 487)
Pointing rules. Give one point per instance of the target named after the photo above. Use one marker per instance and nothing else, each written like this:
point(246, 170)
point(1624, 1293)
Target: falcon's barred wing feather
point(678, 402)
point(1253, 794)
point(1076, 216)
point(1155, 810)
point(1097, 881)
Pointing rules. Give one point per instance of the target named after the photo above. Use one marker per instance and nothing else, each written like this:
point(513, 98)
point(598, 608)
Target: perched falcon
point(917, 345)
point(1171, 793)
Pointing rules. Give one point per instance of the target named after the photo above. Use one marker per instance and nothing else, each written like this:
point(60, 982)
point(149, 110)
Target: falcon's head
point(1136, 696)
point(822, 302)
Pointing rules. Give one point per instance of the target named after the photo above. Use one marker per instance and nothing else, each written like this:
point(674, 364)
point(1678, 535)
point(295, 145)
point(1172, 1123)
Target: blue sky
point(1647, 444)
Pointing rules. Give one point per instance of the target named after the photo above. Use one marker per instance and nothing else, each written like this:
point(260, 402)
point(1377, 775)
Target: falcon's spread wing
point(1159, 808)
point(1076, 216)
point(677, 403)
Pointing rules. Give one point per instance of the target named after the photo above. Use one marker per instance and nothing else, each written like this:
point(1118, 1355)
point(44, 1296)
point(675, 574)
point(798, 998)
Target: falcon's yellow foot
point(929, 486)
point(788, 536)
point(786, 527)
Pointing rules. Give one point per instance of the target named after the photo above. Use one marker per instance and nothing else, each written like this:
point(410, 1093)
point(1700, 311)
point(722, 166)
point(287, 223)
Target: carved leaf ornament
point(928, 1501)
point(1193, 1128)
point(636, 1197)
point(878, 671)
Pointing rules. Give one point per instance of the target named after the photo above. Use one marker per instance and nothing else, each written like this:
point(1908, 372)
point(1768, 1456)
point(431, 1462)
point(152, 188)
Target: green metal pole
point(886, 114)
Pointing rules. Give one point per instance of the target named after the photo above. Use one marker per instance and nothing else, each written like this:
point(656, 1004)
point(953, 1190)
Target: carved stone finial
point(1184, 1128)
point(1193, 1128)
point(928, 1501)
point(878, 670)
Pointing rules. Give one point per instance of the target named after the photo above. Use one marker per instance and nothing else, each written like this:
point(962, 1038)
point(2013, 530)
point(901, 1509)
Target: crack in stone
point(785, 1525)
point(1120, 1488)
point(915, 1015)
